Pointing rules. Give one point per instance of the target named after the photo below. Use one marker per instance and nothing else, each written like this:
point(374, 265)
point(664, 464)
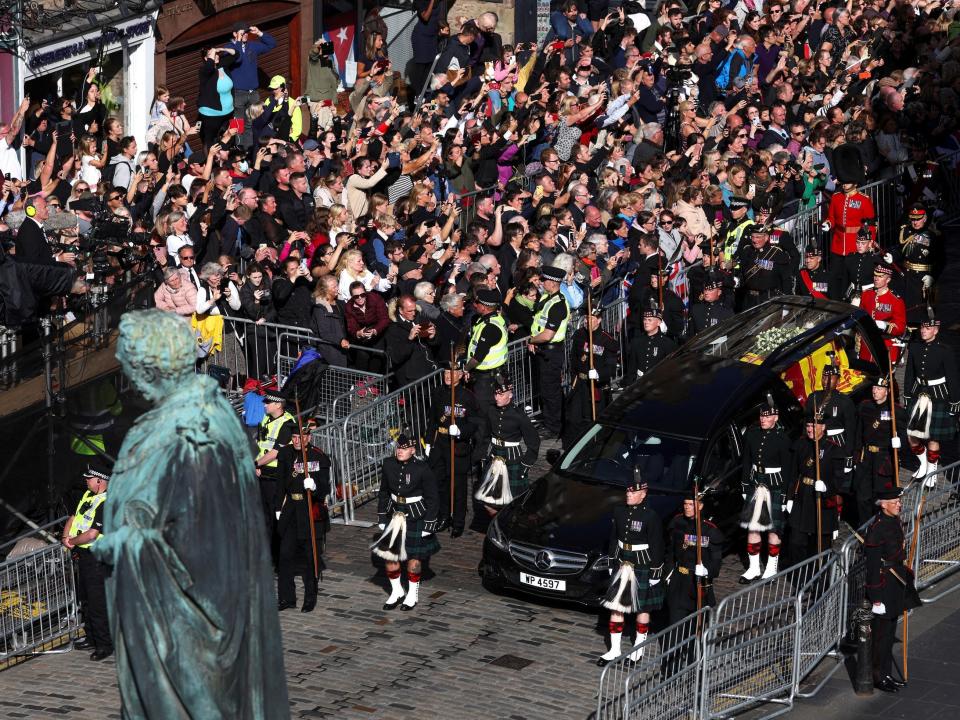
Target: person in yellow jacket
point(275, 432)
point(283, 111)
point(81, 531)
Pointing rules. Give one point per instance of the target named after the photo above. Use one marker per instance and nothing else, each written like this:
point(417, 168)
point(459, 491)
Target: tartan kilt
point(778, 500)
point(519, 482)
point(649, 597)
point(943, 425)
point(419, 547)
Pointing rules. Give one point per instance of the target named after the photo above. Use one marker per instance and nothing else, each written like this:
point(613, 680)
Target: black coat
point(411, 359)
point(32, 245)
point(888, 579)
point(294, 514)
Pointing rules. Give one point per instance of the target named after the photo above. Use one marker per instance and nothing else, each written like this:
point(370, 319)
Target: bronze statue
point(192, 612)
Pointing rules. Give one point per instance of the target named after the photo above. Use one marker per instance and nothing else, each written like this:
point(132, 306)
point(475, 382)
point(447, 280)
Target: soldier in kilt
point(514, 447)
point(688, 577)
point(635, 589)
point(766, 476)
point(932, 381)
point(407, 507)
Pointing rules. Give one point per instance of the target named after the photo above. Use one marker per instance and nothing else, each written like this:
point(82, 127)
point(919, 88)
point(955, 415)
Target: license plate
point(542, 582)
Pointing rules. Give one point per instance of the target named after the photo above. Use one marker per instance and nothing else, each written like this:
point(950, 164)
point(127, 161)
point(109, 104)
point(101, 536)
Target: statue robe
point(192, 609)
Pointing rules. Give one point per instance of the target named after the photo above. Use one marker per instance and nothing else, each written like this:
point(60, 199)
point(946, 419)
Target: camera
point(325, 47)
point(678, 74)
point(304, 99)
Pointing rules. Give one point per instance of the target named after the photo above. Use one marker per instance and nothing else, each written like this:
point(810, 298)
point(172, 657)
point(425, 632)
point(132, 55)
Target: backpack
point(110, 171)
point(723, 72)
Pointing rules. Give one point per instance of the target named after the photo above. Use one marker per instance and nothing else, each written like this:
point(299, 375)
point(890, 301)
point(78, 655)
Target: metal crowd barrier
point(663, 682)
point(765, 646)
point(271, 349)
point(38, 600)
point(937, 513)
point(358, 444)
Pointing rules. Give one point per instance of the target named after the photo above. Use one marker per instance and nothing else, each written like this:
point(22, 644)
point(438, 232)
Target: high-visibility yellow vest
point(496, 355)
point(540, 318)
point(269, 441)
point(83, 518)
point(733, 238)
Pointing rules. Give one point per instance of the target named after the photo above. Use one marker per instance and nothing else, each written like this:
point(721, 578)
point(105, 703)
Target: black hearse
point(685, 420)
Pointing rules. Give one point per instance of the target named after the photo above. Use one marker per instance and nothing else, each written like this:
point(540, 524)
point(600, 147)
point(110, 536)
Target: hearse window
point(609, 455)
point(722, 460)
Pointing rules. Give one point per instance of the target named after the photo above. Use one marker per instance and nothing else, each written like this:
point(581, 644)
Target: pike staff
point(309, 493)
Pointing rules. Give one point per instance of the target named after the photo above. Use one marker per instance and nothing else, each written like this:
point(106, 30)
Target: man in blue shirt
point(249, 42)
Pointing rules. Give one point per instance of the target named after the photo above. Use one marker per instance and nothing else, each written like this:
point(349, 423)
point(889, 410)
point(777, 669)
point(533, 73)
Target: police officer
point(514, 446)
point(591, 374)
point(275, 431)
point(452, 428)
point(648, 349)
point(838, 410)
point(487, 347)
point(80, 532)
point(889, 584)
point(815, 280)
point(858, 268)
point(711, 310)
point(736, 228)
point(767, 470)
point(933, 385)
point(688, 575)
point(407, 509)
point(875, 468)
point(547, 334)
point(710, 270)
point(764, 270)
point(811, 497)
point(294, 518)
point(921, 252)
point(636, 544)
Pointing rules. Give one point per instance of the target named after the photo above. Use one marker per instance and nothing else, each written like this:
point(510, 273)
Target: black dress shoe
point(98, 655)
point(392, 605)
point(886, 686)
point(898, 683)
point(456, 532)
point(84, 644)
point(308, 605)
point(601, 662)
point(442, 525)
point(408, 608)
point(285, 606)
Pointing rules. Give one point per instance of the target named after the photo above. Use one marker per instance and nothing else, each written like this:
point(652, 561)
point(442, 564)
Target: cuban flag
point(340, 31)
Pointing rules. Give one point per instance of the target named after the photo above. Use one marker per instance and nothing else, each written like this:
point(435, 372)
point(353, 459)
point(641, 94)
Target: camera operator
point(23, 285)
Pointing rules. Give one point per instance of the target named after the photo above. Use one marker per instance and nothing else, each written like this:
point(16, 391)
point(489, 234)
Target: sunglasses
point(359, 295)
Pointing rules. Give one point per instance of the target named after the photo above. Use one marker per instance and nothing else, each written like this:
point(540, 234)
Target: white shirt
point(174, 243)
point(9, 161)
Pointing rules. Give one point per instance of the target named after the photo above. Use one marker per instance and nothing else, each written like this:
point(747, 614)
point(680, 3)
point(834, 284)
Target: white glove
point(381, 526)
point(789, 506)
point(426, 450)
point(927, 281)
point(654, 582)
point(879, 609)
point(888, 258)
point(825, 225)
point(427, 534)
point(836, 534)
point(882, 324)
point(743, 495)
point(820, 486)
point(930, 482)
point(663, 326)
point(454, 431)
point(701, 571)
point(277, 513)
point(895, 443)
point(593, 374)
point(309, 484)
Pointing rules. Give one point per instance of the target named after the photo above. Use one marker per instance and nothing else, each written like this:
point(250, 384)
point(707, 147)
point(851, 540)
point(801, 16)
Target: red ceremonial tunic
point(887, 307)
point(846, 215)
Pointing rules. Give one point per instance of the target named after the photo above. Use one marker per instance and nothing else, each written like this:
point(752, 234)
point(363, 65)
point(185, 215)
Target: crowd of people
point(489, 190)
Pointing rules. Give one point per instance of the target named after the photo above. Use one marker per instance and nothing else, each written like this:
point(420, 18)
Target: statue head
point(157, 351)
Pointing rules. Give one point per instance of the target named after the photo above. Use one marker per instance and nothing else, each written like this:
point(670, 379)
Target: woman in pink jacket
point(176, 293)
